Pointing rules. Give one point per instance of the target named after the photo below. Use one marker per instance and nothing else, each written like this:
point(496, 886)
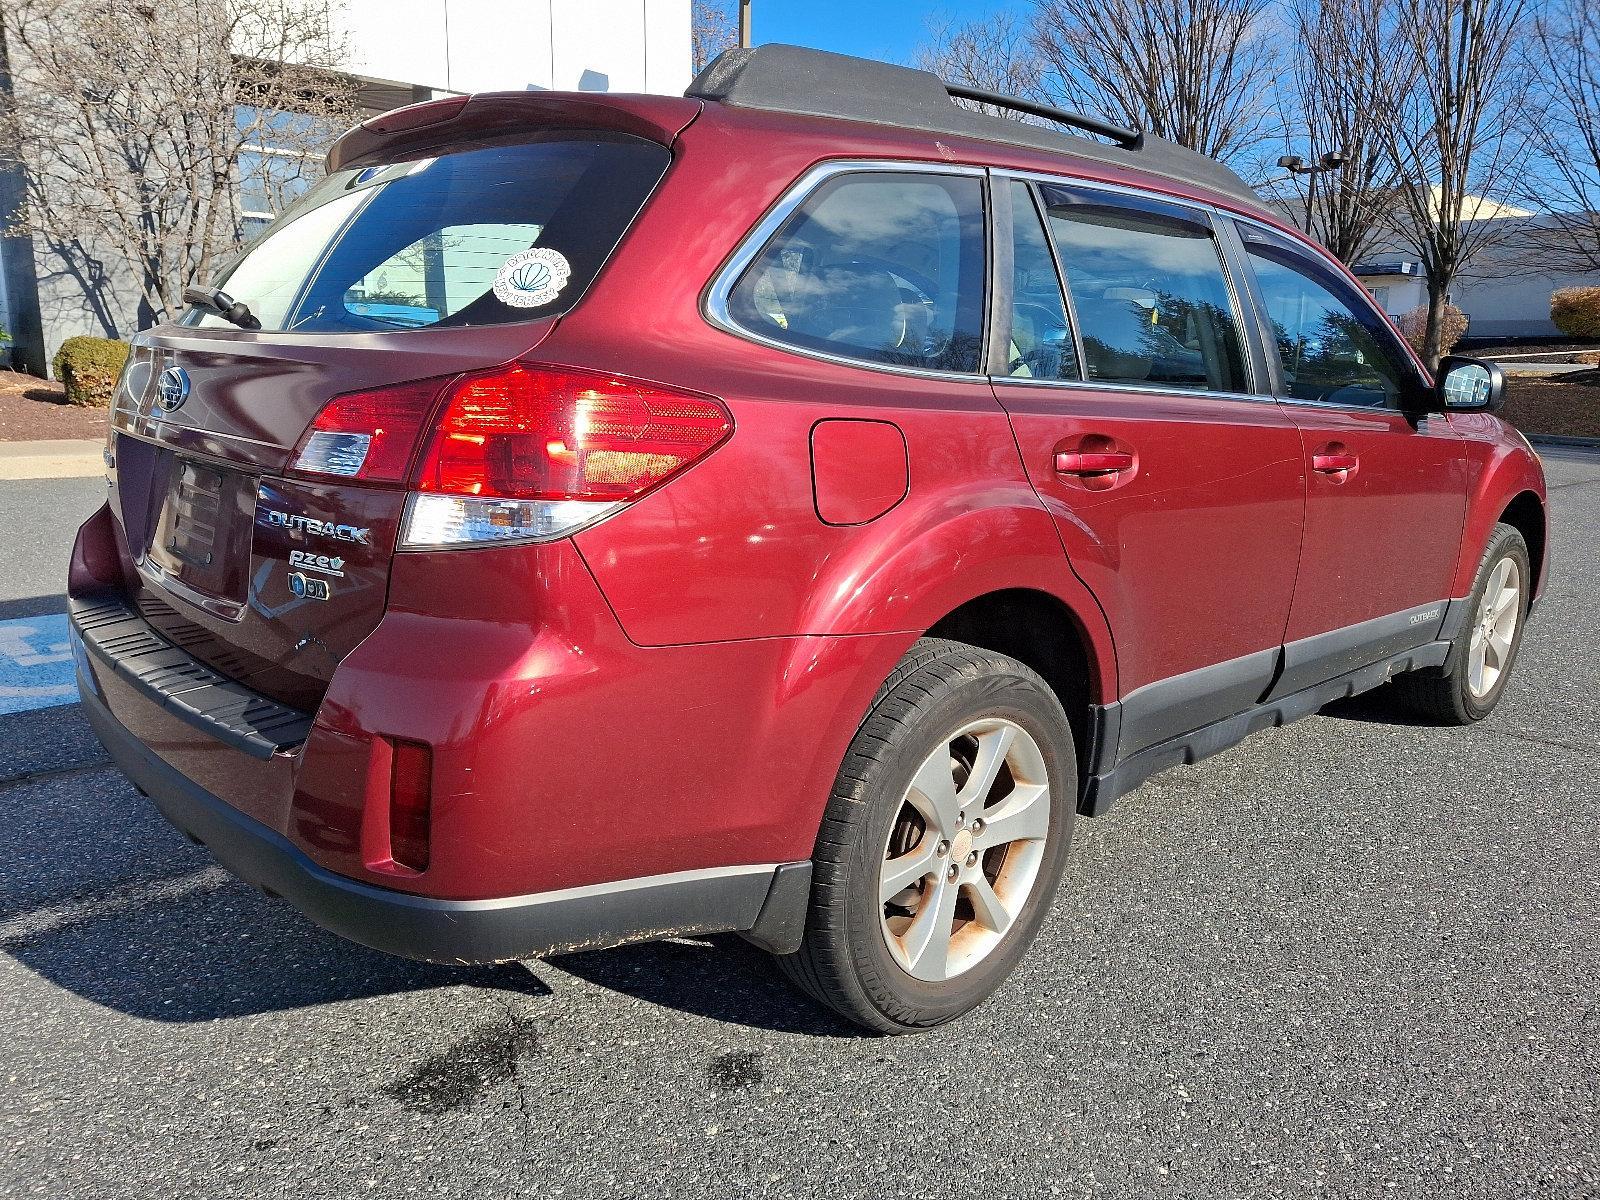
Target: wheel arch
point(1526, 514)
point(1042, 632)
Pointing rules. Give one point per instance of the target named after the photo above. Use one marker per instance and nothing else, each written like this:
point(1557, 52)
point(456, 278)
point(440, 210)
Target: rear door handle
point(1332, 463)
point(1092, 462)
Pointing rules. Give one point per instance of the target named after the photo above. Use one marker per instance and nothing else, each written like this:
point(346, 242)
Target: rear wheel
point(1480, 661)
point(942, 843)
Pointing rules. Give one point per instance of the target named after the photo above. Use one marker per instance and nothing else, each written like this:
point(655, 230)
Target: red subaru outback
point(783, 509)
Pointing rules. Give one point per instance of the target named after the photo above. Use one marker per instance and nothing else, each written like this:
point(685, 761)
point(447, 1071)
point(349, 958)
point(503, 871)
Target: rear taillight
point(367, 437)
point(531, 451)
point(523, 452)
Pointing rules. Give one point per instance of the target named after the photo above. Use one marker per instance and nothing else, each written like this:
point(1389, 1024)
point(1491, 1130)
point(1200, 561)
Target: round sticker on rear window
point(532, 278)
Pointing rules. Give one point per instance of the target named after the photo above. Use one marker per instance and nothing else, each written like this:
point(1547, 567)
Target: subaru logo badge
point(172, 389)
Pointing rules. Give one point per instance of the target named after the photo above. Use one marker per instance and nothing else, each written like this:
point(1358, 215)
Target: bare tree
point(140, 122)
point(712, 29)
point(1196, 71)
point(1344, 74)
point(1564, 184)
point(1455, 135)
point(995, 54)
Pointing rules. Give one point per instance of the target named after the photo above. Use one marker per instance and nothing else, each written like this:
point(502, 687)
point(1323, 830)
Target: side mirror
point(1469, 385)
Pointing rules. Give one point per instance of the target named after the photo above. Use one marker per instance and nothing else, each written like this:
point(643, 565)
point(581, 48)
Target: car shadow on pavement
point(231, 952)
point(723, 977)
point(101, 897)
point(32, 606)
point(1377, 707)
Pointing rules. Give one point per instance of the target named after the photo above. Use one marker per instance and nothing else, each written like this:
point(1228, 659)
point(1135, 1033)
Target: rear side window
point(1041, 337)
point(1148, 288)
point(885, 267)
point(499, 233)
point(1333, 346)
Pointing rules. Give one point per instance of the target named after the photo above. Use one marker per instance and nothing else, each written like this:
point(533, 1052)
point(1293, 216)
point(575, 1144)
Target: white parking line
point(25, 926)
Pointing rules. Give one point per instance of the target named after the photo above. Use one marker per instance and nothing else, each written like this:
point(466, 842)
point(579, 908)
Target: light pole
point(744, 23)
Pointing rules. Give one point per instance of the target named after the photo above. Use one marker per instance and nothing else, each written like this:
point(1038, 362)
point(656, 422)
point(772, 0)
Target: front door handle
point(1092, 462)
point(1333, 462)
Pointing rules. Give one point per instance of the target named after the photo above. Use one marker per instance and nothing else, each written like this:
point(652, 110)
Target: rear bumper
point(765, 902)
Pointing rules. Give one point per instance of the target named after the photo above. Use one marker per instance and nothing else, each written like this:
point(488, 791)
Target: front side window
point(498, 233)
point(885, 267)
point(1149, 291)
point(1334, 347)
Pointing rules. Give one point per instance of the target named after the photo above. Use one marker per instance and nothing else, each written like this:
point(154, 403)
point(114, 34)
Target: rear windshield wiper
point(225, 306)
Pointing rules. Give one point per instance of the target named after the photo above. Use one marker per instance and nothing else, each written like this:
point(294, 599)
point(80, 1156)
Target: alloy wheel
point(1495, 628)
point(965, 848)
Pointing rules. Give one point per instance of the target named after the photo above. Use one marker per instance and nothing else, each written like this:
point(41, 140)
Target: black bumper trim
point(116, 635)
point(719, 900)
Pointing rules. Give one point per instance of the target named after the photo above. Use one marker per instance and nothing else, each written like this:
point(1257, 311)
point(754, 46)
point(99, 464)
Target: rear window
point(479, 237)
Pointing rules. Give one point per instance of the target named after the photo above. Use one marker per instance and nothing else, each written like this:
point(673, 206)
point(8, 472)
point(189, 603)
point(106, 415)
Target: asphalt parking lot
point(1348, 958)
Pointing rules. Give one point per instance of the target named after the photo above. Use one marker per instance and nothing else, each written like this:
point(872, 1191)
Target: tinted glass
point(1148, 290)
point(426, 241)
point(885, 267)
point(1041, 337)
point(1334, 347)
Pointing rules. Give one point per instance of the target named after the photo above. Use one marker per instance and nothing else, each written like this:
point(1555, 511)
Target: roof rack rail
point(1128, 139)
point(816, 83)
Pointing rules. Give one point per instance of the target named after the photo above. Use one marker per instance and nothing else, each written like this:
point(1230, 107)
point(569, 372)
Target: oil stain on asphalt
point(456, 1077)
point(735, 1070)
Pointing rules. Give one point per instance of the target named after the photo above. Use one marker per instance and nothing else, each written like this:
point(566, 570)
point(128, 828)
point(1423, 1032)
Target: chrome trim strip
point(714, 307)
point(225, 609)
point(616, 887)
point(1142, 390)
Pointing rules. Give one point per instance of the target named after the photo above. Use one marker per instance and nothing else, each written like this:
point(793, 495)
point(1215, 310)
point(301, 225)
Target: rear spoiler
point(454, 118)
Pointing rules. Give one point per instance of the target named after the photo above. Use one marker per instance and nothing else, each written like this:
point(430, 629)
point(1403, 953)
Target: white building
point(404, 51)
point(513, 45)
point(1504, 290)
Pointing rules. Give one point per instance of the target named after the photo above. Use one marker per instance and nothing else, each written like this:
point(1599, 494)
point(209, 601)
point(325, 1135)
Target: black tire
point(844, 960)
point(1443, 695)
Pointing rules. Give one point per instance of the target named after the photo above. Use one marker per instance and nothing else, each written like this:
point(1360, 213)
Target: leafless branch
point(712, 29)
point(1196, 71)
point(139, 123)
point(1454, 133)
point(1344, 72)
point(995, 54)
point(1563, 184)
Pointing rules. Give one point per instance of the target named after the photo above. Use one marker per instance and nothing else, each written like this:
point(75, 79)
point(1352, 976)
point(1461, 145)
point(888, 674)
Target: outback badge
point(307, 587)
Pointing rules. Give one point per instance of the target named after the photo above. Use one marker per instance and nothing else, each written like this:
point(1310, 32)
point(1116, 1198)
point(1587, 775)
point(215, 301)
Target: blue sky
point(883, 29)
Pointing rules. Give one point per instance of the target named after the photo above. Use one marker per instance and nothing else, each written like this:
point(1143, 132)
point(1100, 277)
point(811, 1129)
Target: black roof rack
point(1128, 139)
point(821, 84)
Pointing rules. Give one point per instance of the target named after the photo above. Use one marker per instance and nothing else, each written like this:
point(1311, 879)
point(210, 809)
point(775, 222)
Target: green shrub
point(88, 368)
point(1576, 311)
point(1414, 326)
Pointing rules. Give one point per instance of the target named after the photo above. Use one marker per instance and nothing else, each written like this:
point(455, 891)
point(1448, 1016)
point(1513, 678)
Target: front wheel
point(943, 841)
point(1480, 660)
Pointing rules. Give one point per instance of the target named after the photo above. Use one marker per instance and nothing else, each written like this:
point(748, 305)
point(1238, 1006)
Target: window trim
point(1004, 317)
point(715, 304)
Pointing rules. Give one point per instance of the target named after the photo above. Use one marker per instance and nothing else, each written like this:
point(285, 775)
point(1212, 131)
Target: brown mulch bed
point(1566, 405)
point(1534, 351)
point(34, 409)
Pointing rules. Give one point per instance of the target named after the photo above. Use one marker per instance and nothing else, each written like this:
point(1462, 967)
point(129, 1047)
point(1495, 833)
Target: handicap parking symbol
point(35, 664)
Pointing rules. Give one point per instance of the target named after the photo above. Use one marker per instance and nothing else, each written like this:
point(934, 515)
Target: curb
point(59, 459)
point(1570, 443)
